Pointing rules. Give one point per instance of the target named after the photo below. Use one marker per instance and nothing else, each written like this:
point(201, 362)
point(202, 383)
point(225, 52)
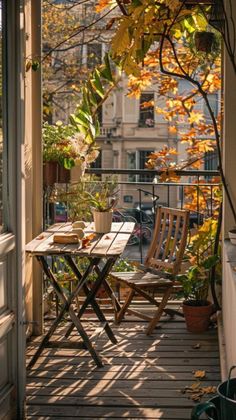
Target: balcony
point(143, 377)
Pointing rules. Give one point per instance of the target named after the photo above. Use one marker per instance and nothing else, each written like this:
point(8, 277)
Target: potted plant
point(195, 283)
point(204, 41)
point(58, 156)
point(103, 199)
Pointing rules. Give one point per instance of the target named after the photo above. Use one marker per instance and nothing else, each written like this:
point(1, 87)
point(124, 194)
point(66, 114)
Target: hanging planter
point(63, 175)
point(204, 41)
point(50, 173)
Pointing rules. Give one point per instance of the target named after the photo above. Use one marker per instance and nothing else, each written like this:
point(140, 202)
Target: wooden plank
point(182, 357)
point(121, 401)
point(118, 383)
point(108, 412)
point(61, 364)
point(118, 245)
point(113, 364)
point(103, 245)
point(128, 376)
point(127, 227)
point(87, 391)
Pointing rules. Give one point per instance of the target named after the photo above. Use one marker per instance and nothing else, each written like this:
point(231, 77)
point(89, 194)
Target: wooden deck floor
point(142, 378)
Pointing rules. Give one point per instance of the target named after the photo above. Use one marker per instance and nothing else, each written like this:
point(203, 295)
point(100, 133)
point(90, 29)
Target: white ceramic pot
point(77, 172)
point(232, 236)
point(102, 221)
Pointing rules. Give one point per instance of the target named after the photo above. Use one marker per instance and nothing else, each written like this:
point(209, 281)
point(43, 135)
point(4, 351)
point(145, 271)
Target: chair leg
point(159, 312)
point(125, 306)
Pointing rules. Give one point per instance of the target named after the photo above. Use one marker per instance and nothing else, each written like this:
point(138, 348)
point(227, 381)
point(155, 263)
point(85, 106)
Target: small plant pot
point(197, 317)
point(102, 221)
point(204, 41)
point(232, 236)
point(77, 172)
point(63, 175)
point(50, 173)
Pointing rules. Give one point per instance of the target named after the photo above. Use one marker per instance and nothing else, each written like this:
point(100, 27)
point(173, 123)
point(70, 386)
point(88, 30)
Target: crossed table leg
point(91, 294)
point(67, 306)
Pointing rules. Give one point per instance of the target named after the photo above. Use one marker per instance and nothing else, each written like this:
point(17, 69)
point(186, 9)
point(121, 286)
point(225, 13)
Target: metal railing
point(139, 201)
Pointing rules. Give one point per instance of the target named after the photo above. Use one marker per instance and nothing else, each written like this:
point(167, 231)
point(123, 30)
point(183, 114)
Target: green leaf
point(97, 128)
point(189, 26)
point(106, 71)
point(97, 85)
point(210, 262)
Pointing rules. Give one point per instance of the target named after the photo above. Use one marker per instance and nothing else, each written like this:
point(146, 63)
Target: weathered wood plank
point(124, 364)
point(87, 391)
point(129, 376)
point(117, 384)
point(121, 401)
point(118, 244)
point(104, 244)
point(108, 412)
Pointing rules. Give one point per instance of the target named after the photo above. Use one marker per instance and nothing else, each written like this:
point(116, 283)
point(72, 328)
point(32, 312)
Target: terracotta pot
point(63, 175)
point(197, 318)
point(50, 173)
point(102, 221)
point(204, 41)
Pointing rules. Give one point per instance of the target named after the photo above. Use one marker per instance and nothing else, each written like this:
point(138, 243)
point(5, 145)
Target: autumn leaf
point(172, 129)
point(200, 374)
point(195, 117)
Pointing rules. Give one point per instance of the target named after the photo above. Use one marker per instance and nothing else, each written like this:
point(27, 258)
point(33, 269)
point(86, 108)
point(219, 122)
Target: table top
point(110, 244)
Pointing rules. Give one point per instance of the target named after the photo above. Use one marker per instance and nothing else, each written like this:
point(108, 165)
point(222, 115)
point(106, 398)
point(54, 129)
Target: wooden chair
point(162, 263)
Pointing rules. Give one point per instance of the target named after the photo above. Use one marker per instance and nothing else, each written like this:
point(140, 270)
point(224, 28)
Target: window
point(146, 110)
point(210, 161)
point(213, 101)
point(94, 55)
point(143, 157)
point(137, 160)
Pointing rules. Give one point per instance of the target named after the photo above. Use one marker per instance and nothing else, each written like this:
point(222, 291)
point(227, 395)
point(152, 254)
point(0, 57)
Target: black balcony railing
point(139, 201)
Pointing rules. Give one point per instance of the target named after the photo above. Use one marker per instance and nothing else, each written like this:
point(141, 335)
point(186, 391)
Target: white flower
point(92, 156)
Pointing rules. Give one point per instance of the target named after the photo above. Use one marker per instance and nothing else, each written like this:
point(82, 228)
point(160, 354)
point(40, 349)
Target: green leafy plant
point(66, 145)
point(102, 195)
point(195, 281)
point(88, 194)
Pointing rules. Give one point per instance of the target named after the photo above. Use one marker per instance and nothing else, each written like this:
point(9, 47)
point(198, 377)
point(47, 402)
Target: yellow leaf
point(195, 117)
point(199, 374)
point(121, 40)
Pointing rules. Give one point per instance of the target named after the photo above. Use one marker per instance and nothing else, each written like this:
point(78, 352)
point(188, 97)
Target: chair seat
point(142, 280)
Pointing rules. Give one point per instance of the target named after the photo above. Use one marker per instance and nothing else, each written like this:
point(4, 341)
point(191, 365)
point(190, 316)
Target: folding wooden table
point(102, 252)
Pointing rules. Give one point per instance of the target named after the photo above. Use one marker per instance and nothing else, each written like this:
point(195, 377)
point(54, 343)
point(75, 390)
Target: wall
point(228, 303)
point(229, 252)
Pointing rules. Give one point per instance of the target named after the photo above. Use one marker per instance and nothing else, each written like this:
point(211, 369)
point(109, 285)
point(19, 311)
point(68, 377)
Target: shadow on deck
point(142, 378)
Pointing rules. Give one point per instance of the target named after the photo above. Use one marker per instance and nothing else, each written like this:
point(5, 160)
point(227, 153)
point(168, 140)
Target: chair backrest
point(169, 240)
